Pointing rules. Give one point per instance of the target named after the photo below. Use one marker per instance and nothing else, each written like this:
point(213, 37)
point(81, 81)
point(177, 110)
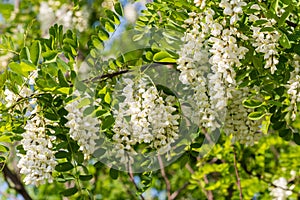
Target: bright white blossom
point(83, 129)
point(265, 41)
point(294, 87)
point(280, 191)
point(54, 12)
point(11, 98)
point(206, 61)
point(144, 117)
point(39, 161)
point(233, 8)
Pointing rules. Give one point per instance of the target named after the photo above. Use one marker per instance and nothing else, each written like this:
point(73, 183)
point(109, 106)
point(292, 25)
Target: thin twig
point(163, 174)
point(176, 193)
point(237, 175)
point(17, 183)
point(208, 193)
point(130, 173)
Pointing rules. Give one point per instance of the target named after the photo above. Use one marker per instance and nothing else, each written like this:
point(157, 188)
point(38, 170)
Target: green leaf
point(3, 148)
point(284, 41)
point(51, 116)
point(285, 133)
point(25, 54)
point(69, 192)
point(85, 177)
point(112, 16)
point(297, 138)
point(267, 29)
point(103, 35)
point(63, 167)
point(35, 52)
point(50, 56)
point(61, 79)
point(265, 125)
point(108, 122)
point(285, 15)
point(118, 8)
point(108, 25)
point(5, 138)
point(252, 103)
point(99, 152)
point(97, 43)
point(113, 173)
point(62, 154)
point(163, 56)
point(22, 68)
point(79, 157)
point(260, 22)
point(107, 98)
point(256, 115)
point(137, 37)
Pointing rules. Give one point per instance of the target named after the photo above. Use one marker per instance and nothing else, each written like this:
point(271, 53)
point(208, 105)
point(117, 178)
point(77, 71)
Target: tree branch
point(17, 183)
point(130, 173)
point(237, 175)
point(163, 174)
point(176, 193)
point(208, 193)
point(292, 24)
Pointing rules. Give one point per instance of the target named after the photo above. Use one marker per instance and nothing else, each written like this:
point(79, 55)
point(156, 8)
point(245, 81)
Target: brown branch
point(176, 193)
point(237, 175)
point(17, 183)
point(130, 173)
point(292, 24)
point(163, 174)
point(208, 193)
point(112, 75)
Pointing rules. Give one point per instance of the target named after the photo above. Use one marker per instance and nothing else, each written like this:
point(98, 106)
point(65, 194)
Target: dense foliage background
point(179, 99)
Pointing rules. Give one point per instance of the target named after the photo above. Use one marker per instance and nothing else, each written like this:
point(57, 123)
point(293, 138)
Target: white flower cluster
point(83, 129)
point(281, 190)
point(266, 42)
point(144, 117)
point(208, 43)
point(233, 8)
point(237, 124)
point(54, 12)
point(200, 3)
point(11, 98)
point(294, 87)
point(39, 161)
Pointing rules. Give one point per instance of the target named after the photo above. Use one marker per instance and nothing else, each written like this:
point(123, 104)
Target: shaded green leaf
point(85, 177)
point(69, 192)
point(118, 8)
point(113, 173)
point(63, 167)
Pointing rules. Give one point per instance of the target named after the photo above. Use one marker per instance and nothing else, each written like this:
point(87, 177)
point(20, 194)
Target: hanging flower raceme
point(265, 39)
point(144, 117)
point(84, 129)
point(207, 58)
point(237, 124)
point(39, 161)
point(294, 87)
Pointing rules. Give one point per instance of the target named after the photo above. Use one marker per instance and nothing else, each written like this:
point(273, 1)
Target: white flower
point(281, 190)
point(39, 161)
point(237, 124)
point(144, 118)
point(83, 129)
